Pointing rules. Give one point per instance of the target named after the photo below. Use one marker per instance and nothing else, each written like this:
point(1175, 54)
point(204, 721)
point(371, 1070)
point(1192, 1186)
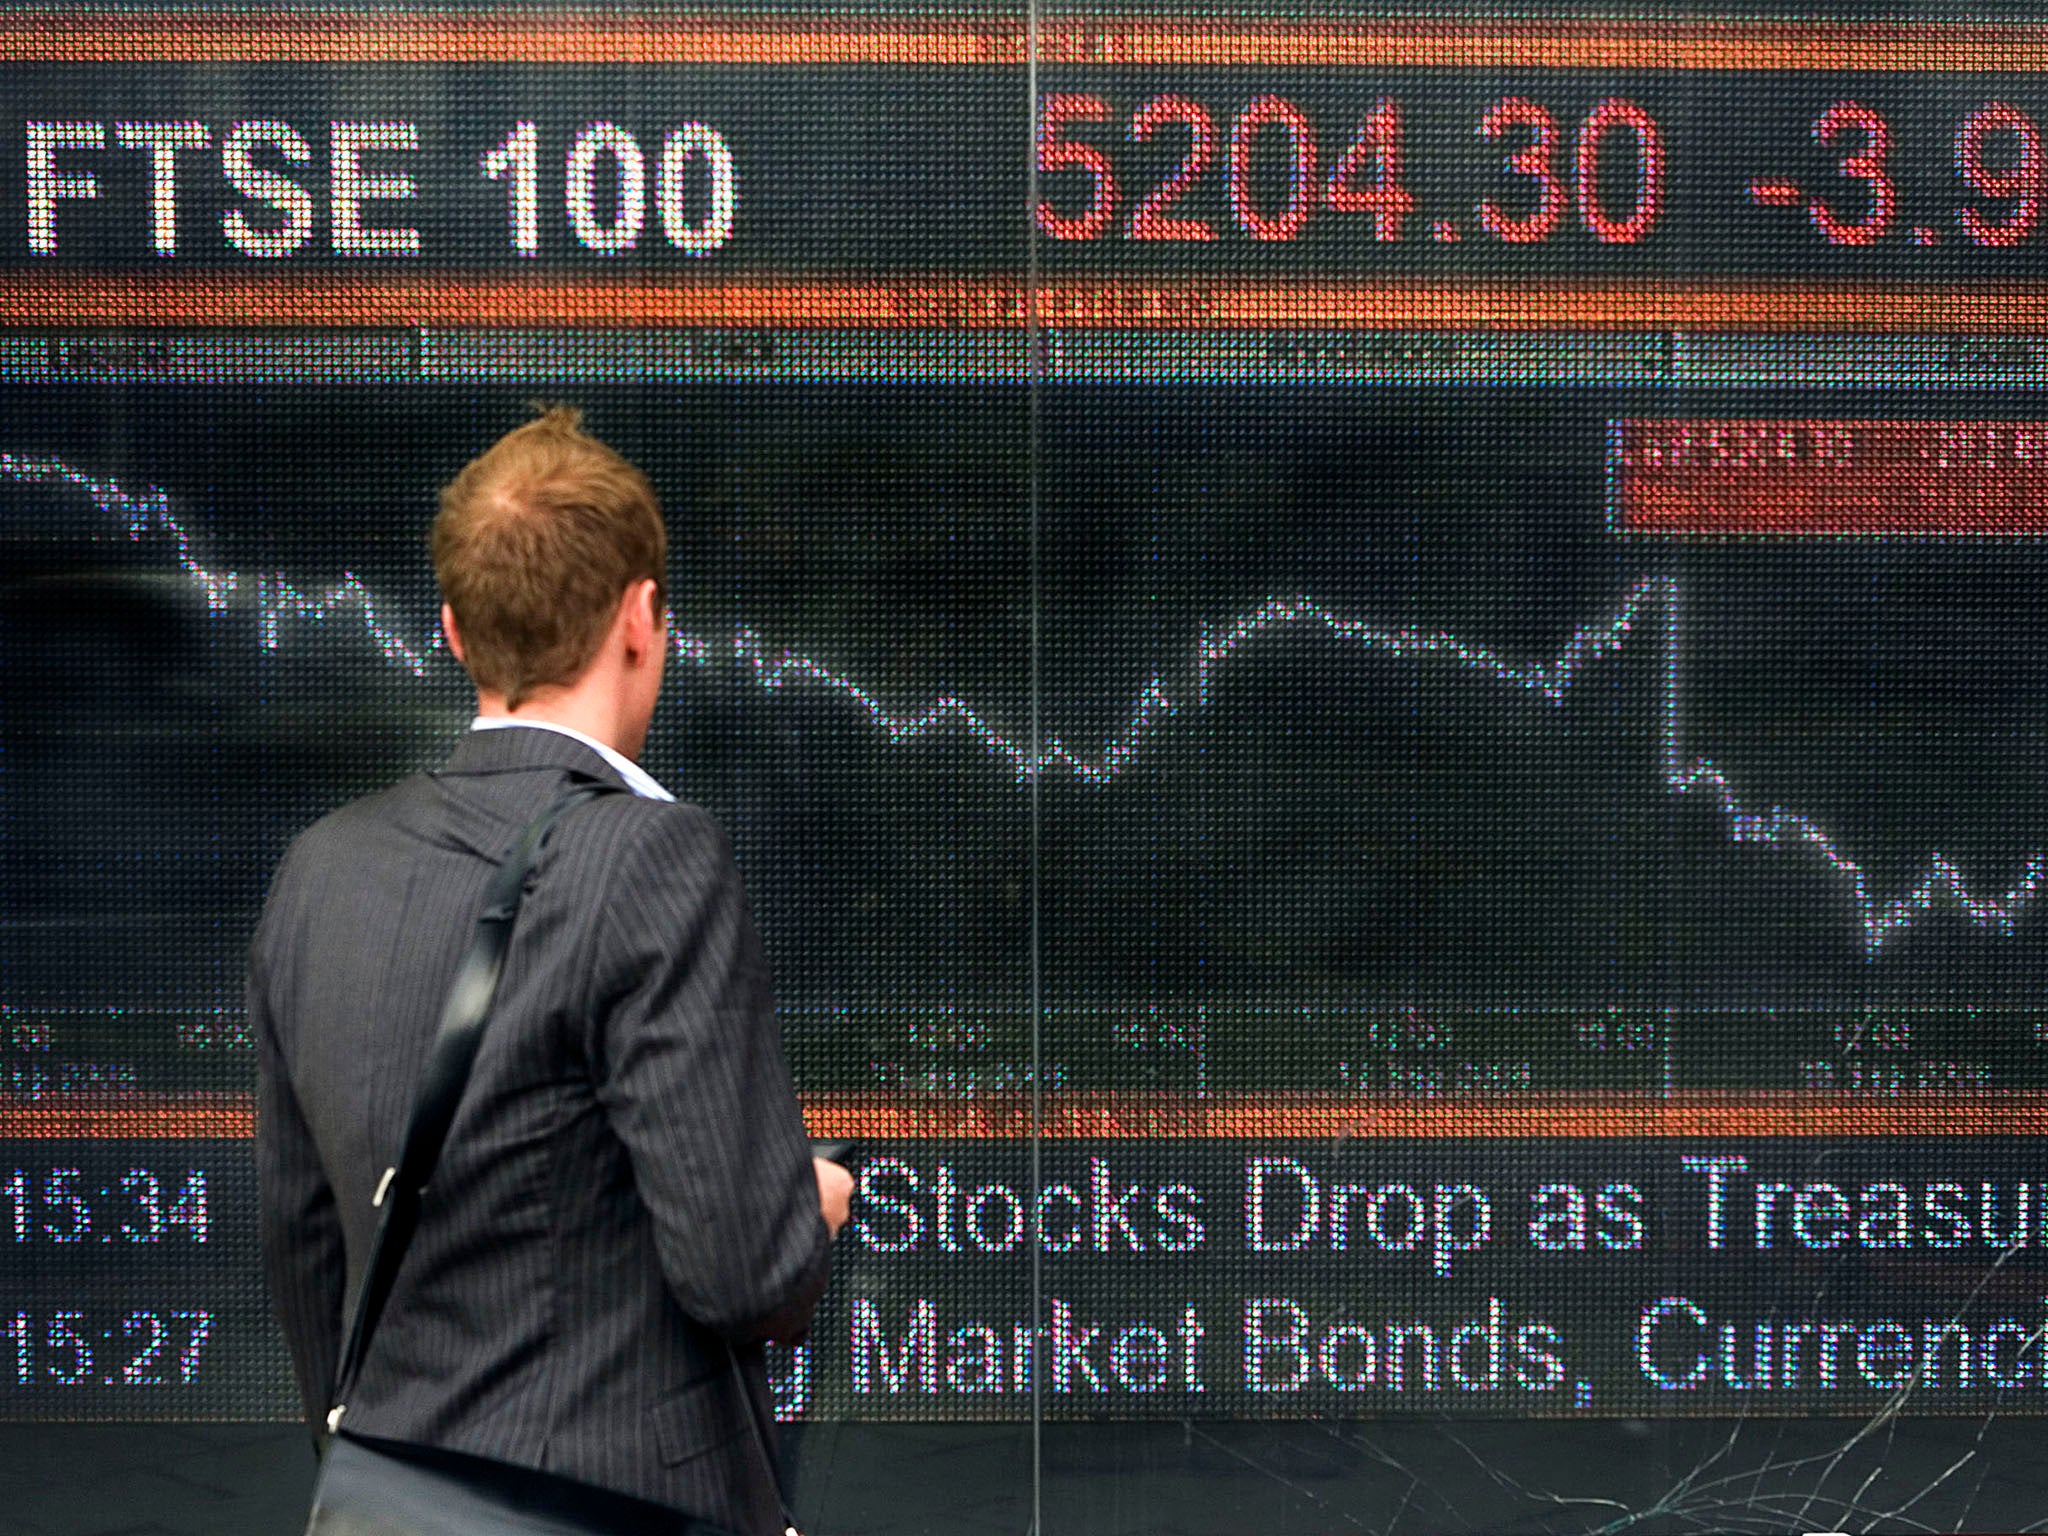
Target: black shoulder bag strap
point(454, 1052)
point(455, 1047)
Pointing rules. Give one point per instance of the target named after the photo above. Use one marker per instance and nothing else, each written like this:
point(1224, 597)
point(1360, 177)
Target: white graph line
point(276, 597)
point(1651, 600)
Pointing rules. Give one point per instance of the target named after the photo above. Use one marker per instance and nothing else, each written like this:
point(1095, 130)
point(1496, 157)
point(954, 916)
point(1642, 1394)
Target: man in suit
point(628, 1176)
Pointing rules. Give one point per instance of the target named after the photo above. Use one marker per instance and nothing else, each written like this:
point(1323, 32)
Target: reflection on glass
point(1374, 676)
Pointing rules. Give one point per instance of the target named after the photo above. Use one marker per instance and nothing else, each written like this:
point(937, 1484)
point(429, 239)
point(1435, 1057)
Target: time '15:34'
point(59, 1205)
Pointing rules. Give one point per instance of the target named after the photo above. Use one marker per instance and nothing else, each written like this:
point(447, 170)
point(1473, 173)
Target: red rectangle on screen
point(1820, 478)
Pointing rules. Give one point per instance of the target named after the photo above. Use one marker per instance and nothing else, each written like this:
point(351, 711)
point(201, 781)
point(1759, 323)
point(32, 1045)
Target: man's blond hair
point(536, 541)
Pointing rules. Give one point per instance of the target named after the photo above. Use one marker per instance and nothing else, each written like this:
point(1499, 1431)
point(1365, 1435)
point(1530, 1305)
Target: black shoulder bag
point(374, 1487)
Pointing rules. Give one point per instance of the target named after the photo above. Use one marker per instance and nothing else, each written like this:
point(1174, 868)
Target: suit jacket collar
point(520, 750)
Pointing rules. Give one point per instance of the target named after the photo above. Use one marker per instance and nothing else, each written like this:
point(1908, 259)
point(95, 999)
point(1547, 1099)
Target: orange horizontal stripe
point(1626, 305)
point(1426, 44)
point(1254, 1116)
point(598, 37)
point(370, 300)
point(129, 1116)
point(349, 299)
point(1108, 1115)
point(508, 37)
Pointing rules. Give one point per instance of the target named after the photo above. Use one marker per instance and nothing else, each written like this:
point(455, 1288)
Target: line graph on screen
point(1648, 604)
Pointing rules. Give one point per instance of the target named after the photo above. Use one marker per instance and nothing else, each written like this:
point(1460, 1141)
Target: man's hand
point(835, 1190)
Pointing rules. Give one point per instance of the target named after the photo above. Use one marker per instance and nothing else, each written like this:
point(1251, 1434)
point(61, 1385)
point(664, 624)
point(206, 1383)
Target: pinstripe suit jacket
point(627, 1175)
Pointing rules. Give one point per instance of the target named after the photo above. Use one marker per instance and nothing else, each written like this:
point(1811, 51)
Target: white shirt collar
point(637, 778)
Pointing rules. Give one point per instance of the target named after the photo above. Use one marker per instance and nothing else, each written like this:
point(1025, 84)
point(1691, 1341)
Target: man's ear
point(454, 635)
point(642, 623)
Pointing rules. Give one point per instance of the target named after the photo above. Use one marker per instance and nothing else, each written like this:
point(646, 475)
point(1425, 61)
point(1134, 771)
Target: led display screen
point(1377, 683)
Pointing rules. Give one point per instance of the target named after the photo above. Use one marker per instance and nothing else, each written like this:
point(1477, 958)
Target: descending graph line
point(276, 598)
point(1651, 599)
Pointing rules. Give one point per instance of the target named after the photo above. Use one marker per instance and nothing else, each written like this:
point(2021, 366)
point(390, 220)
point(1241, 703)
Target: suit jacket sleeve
point(300, 1230)
point(689, 1063)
